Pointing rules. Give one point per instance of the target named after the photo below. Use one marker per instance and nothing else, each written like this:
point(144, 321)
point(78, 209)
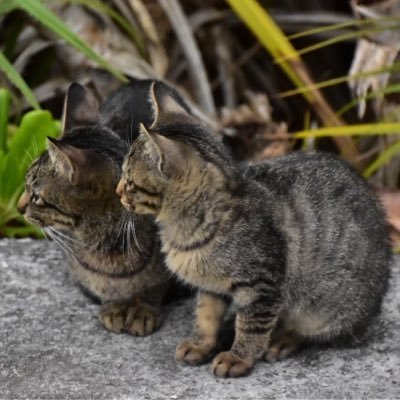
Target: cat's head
point(75, 178)
point(130, 105)
point(173, 154)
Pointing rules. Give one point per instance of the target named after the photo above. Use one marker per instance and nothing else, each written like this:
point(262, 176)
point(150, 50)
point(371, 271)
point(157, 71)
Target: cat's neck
point(101, 234)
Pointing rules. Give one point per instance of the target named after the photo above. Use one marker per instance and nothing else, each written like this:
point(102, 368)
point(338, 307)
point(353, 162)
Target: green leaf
point(17, 80)
point(4, 106)
point(382, 159)
point(42, 14)
point(383, 128)
point(30, 138)
point(27, 142)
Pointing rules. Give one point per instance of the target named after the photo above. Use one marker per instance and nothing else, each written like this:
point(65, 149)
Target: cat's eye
point(37, 200)
point(130, 186)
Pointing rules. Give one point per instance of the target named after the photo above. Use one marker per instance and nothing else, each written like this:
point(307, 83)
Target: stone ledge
point(52, 346)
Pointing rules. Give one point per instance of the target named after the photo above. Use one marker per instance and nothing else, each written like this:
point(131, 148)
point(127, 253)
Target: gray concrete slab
point(52, 346)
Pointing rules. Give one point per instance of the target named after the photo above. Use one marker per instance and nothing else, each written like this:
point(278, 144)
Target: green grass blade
point(337, 39)
point(269, 34)
point(4, 107)
point(28, 141)
point(395, 88)
point(383, 128)
point(17, 80)
point(382, 159)
point(42, 14)
point(346, 24)
point(341, 79)
point(275, 41)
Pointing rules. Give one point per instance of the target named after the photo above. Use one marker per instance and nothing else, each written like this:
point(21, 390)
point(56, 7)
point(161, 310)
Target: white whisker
point(35, 145)
point(29, 155)
point(59, 240)
point(71, 239)
point(133, 231)
point(131, 132)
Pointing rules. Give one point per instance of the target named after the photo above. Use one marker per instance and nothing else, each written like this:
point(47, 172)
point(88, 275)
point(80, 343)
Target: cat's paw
point(229, 365)
point(112, 317)
point(281, 348)
point(138, 319)
point(193, 353)
point(142, 319)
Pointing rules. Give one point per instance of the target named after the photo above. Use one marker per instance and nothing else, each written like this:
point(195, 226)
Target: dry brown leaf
point(252, 133)
point(105, 39)
point(158, 55)
point(377, 50)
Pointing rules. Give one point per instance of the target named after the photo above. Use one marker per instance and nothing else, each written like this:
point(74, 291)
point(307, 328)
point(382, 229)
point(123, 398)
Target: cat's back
point(337, 248)
point(319, 183)
point(328, 214)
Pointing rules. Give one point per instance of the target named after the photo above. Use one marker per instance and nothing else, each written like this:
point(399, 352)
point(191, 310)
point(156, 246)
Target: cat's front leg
point(253, 327)
point(136, 317)
point(210, 311)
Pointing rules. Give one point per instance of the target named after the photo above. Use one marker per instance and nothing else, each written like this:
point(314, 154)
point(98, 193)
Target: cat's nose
point(120, 188)
point(23, 203)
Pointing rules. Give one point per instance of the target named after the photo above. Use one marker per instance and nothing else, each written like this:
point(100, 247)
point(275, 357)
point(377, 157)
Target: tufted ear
point(166, 103)
point(163, 154)
point(70, 161)
point(80, 108)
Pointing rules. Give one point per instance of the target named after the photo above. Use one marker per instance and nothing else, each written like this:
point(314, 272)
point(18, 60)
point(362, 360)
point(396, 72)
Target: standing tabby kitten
point(298, 244)
point(70, 195)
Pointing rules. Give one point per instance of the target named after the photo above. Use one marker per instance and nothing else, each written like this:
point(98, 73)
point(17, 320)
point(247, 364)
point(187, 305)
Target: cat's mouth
point(121, 192)
point(35, 221)
point(128, 205)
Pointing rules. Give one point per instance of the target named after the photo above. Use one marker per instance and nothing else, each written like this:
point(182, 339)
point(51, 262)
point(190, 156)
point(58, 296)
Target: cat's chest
point(198, 268)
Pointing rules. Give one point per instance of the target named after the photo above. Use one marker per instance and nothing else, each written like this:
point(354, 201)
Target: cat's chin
point(129, 207)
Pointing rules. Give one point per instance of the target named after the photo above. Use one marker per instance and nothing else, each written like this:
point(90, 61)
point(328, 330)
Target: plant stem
point(275, 41)
point(185, 36)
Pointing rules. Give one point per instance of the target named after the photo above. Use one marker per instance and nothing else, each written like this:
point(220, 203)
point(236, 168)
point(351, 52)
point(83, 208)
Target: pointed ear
point(166, 102)
point(80, 108)
point(167, 155)
point(149, 148)
point(69, 160)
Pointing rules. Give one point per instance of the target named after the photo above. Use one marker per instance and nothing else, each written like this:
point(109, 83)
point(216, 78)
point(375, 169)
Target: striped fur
point(70, 194)
point(298, 244)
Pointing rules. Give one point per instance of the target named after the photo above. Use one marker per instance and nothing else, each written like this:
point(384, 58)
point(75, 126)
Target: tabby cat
point(298, 244)
point(70, 195)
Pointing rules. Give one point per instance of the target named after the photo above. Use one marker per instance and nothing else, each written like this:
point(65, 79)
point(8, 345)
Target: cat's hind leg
point(283, 343)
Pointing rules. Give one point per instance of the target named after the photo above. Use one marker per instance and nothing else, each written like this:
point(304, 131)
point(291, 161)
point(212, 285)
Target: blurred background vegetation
point(270, 76)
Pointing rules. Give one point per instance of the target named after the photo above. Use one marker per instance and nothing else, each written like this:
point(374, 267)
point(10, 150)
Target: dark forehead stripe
point(36, 165)
point(100, 140)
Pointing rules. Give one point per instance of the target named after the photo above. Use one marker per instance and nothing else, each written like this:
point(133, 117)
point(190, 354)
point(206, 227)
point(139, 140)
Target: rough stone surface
point(52, 346)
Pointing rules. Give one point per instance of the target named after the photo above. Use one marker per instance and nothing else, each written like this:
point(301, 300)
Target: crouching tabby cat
point(298, 244)
point(70, 195)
